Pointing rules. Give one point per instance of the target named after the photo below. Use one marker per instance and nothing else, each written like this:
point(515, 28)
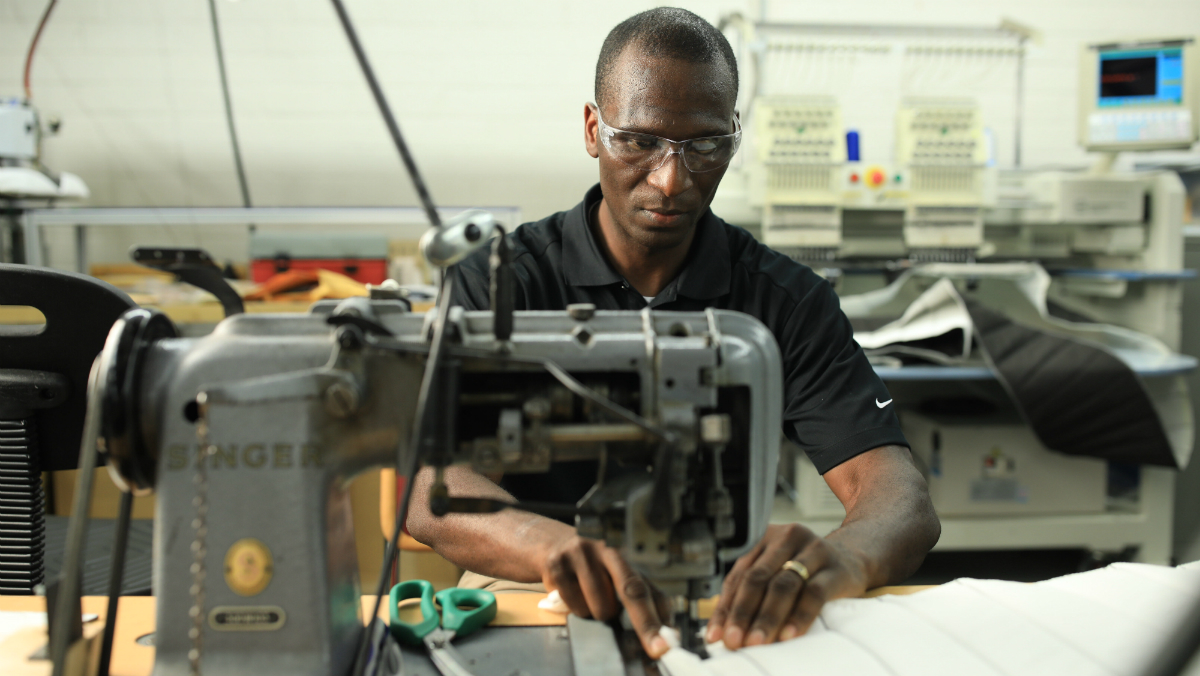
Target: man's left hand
point(762, 602)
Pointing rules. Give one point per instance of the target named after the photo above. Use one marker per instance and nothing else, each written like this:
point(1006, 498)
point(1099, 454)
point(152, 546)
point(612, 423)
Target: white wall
point(489, 94)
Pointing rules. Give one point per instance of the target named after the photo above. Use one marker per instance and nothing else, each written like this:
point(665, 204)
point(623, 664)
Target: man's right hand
point(594, 581)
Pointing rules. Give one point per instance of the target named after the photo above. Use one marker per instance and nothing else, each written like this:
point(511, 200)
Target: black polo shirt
point(835, 407)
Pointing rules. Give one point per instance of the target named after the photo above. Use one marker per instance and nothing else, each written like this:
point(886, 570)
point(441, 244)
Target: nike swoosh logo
point(881, 405)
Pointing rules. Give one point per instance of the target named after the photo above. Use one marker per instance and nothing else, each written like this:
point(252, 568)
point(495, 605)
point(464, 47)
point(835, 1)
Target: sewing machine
point(290, 407)
point(249, 437)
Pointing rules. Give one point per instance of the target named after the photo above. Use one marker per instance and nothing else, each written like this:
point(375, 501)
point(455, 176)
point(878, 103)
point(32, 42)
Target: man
point(645, 235)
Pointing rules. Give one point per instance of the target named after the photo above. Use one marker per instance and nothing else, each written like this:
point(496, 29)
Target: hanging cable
point(416, 445)
point(116, 580)
point(37, 35)
point(388, 118)
point(233, 137)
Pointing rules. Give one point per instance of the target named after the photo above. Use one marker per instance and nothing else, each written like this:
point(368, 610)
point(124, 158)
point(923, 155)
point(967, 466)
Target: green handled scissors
point(463, 611)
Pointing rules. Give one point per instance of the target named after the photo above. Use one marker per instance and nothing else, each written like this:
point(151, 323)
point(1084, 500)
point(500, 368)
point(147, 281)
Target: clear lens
point(631, 147)
point(648, 152)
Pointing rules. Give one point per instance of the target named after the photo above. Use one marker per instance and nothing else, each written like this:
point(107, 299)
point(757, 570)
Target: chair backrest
point(79, 312)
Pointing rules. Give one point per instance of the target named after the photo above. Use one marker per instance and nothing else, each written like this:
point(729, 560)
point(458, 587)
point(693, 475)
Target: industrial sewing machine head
point(250, 436)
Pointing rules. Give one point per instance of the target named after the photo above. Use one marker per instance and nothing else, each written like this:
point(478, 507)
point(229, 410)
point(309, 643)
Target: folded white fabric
point(554, 603)
point(1103, 623)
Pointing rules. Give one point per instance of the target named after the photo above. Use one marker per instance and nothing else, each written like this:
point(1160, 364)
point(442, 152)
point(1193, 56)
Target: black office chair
point(43, 382)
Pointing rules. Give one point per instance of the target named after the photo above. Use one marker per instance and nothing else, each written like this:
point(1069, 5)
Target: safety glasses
point(648, 152)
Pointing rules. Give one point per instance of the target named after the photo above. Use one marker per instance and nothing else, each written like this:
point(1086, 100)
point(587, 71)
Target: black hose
point(116, 578)
point(70, 577)
point(233, 137)
point(415, 447)
point(389, 120)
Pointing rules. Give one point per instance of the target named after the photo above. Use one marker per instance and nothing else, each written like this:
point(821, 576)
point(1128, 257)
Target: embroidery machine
point(830, 184)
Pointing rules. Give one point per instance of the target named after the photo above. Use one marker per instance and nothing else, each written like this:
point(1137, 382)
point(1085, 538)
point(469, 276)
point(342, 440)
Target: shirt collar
point(583, 264)
point(709, 267)
point(705, 275)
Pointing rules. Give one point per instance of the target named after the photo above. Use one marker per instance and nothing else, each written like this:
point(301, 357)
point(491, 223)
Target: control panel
point(1157, 126)
point(1140, 94)
point(874, 177)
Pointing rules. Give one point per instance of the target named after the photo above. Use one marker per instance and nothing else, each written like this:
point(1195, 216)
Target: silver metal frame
point(410, 221)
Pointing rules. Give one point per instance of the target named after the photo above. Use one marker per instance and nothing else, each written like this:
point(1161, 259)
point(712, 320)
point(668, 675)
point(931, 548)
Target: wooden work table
point(135, 618)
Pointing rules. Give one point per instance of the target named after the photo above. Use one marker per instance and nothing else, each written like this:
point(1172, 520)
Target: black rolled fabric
point(1079, 398)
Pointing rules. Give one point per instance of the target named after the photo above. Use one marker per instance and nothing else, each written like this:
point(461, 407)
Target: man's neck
point(648, 270)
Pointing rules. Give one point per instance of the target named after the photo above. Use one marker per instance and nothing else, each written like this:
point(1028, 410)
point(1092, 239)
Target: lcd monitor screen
point(1141, 77)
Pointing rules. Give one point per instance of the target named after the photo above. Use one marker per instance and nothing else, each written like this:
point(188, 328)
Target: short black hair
point(665, 32)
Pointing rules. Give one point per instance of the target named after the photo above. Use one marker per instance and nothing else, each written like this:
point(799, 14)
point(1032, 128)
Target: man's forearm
point(509, 544)
point(890, 524)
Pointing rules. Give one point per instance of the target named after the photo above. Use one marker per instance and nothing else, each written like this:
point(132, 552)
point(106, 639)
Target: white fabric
point(929, 306)
point(12, 622)
point(554, 603)
point(934, 313)
point(1105, 622)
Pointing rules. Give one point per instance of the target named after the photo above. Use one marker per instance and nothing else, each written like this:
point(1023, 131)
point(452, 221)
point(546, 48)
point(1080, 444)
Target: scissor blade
point(447, 661)
point(444, 656)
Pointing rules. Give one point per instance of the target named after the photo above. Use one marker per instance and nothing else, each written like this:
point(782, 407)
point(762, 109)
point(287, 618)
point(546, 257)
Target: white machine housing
point(18, 130)
point(1118, 237)
point(994, 467)
point(978, 467)
point(801, 155)
point(22, 176)
point(941, 144)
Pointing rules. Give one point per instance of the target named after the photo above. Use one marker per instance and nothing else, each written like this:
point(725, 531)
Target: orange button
point(875, 177)
point(854, 178)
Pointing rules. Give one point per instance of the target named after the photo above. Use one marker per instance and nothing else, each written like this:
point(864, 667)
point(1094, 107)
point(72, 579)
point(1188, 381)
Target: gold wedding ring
point(797, 568)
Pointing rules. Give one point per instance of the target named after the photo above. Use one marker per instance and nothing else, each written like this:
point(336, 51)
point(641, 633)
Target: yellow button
point(248, 567)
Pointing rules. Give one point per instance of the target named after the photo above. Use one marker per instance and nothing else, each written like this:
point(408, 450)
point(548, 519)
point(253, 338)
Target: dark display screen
point(1128, 77)
point(1141, 77)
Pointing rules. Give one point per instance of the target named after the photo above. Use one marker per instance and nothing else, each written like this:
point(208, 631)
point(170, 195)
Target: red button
point(854, 178)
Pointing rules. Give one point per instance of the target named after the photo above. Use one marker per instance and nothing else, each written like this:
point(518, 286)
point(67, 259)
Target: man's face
point(674, 99)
